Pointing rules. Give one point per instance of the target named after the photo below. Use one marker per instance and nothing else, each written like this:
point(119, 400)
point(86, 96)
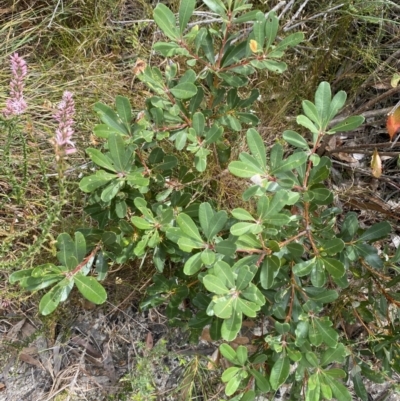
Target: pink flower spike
point(65, 117)
point(16, 104)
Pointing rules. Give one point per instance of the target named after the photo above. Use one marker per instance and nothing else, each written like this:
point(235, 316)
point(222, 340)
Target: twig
point(290, 27)
point(394, 56)
point(284, 11)
point(299, 10)
point(377, 99)
point(54, 12)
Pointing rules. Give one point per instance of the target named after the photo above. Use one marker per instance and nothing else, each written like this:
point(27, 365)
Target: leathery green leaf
point(257, 147)
point(90, 288)
point(186, 9)
point(215, 284)
point(188, 227)
point(279, 372)
point(165, 19)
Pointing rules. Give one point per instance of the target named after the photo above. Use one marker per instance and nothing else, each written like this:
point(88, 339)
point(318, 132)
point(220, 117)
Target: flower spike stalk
point(65, 117)
point(15, 104)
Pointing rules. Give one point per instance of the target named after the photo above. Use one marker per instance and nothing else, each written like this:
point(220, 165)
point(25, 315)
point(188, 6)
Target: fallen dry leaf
point(205, 335)
point(26, 356)
point(213, 360)
point(376, 164)
point(149, 341)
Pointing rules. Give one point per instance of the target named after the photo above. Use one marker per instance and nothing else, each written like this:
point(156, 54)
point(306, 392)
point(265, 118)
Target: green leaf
point(215, 284)
point(206, 213)
point(277, 203)
point(348, 124)
point(329, 335)
point(256, 146)
point(124, 110)
point(228, 352)
point(294, 139)
point(290, 41)
point(92, 182)
point(214, 134)
point(244, 276)
point(326, 390)
point(217, 223)
point(224, 273)
point(306, 122)
point(337, 103)
point(226, 247)
point(141, 223)
point(117, 150)
point(230, 327)
point(230, 373)
point(186, 9)
point(180, 140)
point(100, 159)
point(304, 268)
point(323, 97)
point(35, 284)
point(241, 353)
point(102, 130)
point(349, 226)
point(332, 246)
point(217, 6)
point(184, 90)
point(377, 231)
point(19, 275)
point(110, 118)
point(337, 354)
point(261, 381)
point(200, 159)
point(311, 112)
point(248, 308)
point(318, 275)
point(50, 301)
point(312, 359)
point(359, 387)
point(293, 161)
point(250, 16)
point(242, 214)
point(165, 20)
point(111, 190)
point(275, 66)
point(269, 270)
point(244, 170)
point(271, 28)
point(188, 244)
point(66, 255)
point(259, 30)
point(223, 308)
point(90, 288)
point(193, 264)
point(233, 384)
point(313, 388)
point(334, 267)
point(339, 391)
point(279, 372)
point(321, 295)
point(239, 229)
point(188, 227)
point(198, 123)
point(79, 246)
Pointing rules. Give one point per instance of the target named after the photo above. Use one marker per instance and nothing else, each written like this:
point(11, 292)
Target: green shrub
point(290, 256)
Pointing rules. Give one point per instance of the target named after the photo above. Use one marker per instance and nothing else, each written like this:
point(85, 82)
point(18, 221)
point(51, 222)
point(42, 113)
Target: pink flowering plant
point(16, 104)
point(13, 117)
point(290, 257)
